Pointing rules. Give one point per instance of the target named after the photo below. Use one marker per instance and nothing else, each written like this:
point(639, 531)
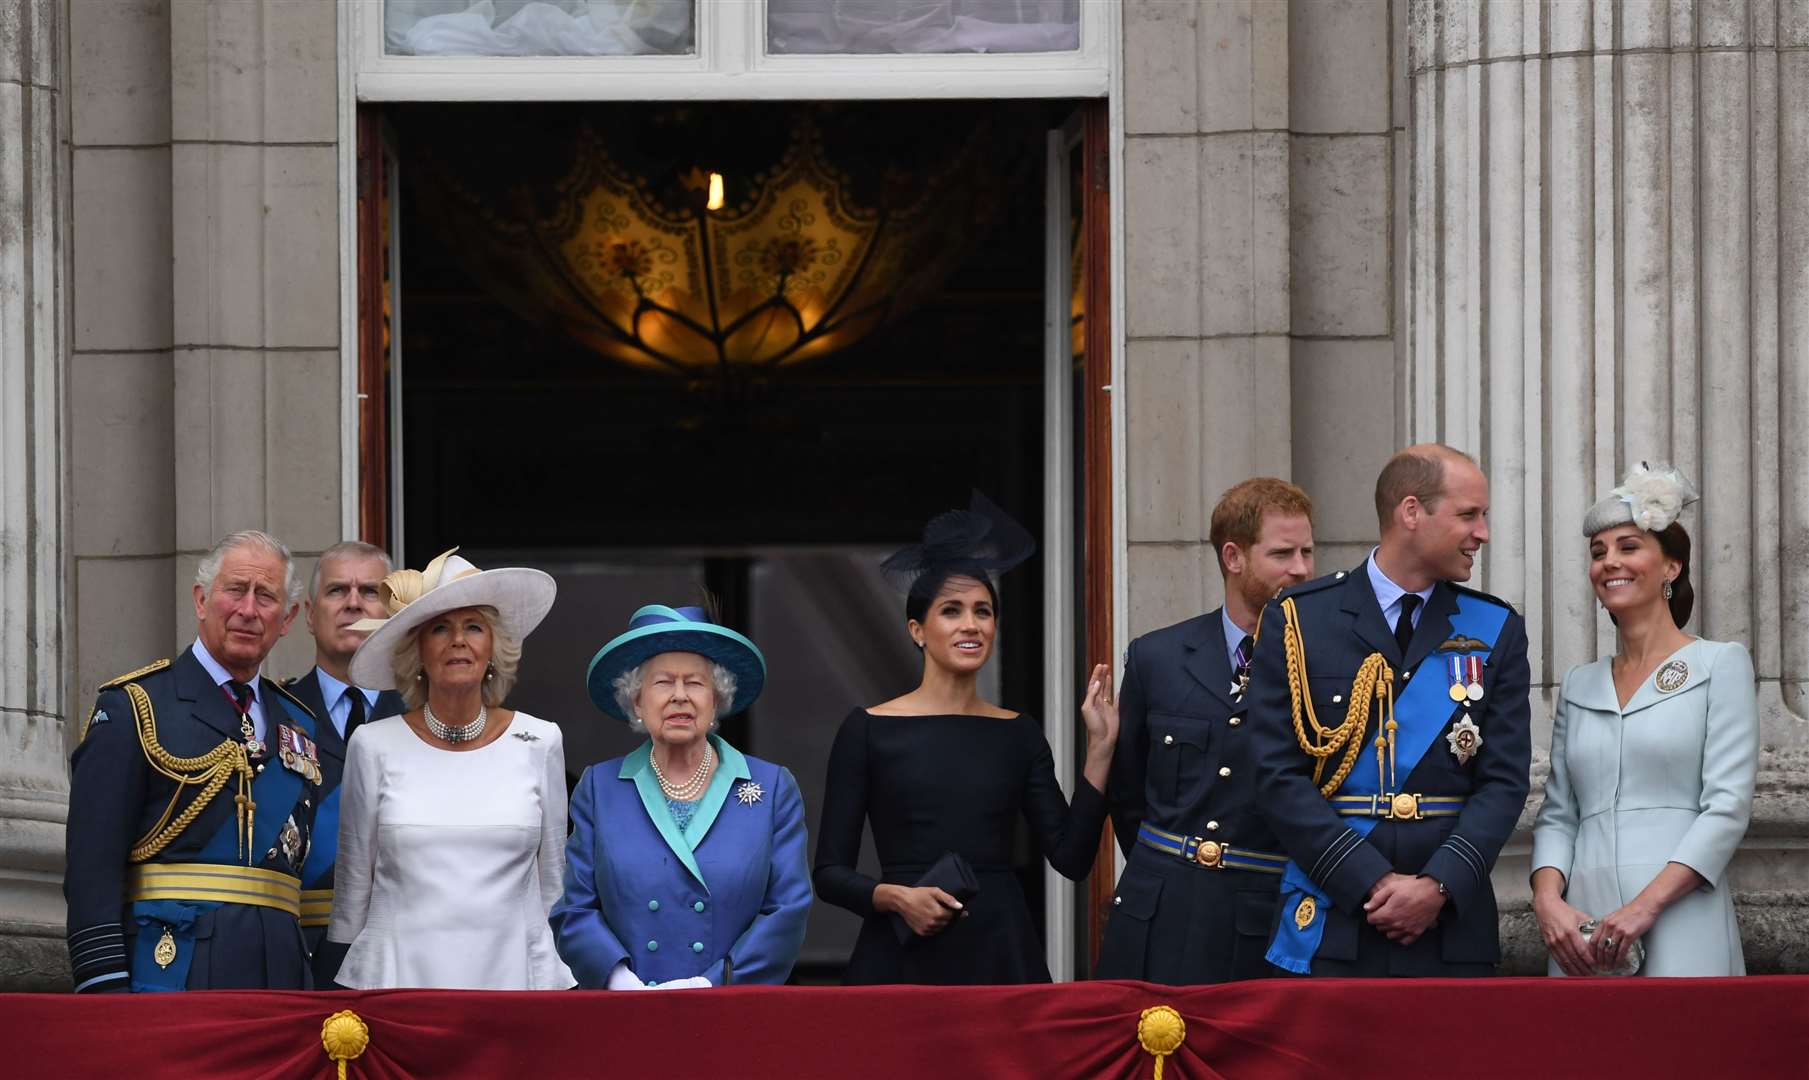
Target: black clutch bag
point(952, 875)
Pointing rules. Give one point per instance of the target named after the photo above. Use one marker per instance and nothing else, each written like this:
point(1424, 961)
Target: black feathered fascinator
point(982, 540)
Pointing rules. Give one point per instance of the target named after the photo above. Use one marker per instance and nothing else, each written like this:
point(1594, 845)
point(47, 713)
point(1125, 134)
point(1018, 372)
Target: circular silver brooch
point(1672, 676)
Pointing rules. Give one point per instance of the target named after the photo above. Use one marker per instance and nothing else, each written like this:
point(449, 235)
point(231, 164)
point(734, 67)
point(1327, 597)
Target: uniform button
point(697, 946)
point(653, 946)
point(1337, 699)
point(653, 905)
point(1405, 675)
point(653, 982)
point(1224, 770)
point(1168, 740)
point(698, 907)
point(1236, 720)
point(1339, 576)
point(1116, 900)
point(1212, 826)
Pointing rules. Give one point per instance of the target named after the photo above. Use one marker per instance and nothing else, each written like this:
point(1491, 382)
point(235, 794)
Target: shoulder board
point(1318, 584)
point(120, 680)
point(283, 689)
point(1480, 595)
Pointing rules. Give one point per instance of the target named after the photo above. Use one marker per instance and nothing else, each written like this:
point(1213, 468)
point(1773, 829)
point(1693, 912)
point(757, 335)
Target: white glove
point(695, 982)
point(620, 978)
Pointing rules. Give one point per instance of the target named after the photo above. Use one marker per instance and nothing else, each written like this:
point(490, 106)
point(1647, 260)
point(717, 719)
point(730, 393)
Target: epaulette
point(1318, 584)
point(283, 689)
point(1480, 595)
point(121, 680)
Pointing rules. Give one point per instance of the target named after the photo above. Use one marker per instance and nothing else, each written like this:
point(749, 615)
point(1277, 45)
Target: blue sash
point(1422, 710)
point(278, 790)
point(323, 843)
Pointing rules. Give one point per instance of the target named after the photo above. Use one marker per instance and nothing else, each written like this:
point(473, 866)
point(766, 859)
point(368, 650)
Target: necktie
point(1403, 626)
point(355, 715)
point(241, 700)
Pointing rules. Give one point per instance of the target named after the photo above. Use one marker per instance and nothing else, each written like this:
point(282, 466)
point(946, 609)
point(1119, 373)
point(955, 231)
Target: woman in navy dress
point(942, 770)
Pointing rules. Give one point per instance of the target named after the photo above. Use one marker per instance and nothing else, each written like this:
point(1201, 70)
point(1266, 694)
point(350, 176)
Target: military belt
point(316, 906)
point(1398, 806)
point(1209, 854)
point(215, 883)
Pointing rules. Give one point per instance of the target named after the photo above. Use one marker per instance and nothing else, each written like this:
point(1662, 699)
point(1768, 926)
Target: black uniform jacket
point(327, 955)
point(1183, 765)
point(1341, 624)
point(116, 799)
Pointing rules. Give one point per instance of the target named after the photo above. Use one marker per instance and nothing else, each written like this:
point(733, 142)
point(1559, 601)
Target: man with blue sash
point(1390, 723)
point(192, 799)
point(1196, 901)
point(343, 591)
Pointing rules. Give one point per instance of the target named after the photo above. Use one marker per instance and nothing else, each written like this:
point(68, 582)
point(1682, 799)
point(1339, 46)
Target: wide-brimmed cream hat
point(521, 595)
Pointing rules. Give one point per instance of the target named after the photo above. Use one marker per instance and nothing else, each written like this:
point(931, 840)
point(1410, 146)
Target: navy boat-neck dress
point(932, 784)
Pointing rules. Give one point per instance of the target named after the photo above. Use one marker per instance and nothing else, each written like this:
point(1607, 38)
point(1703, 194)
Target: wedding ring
point(1608, 943)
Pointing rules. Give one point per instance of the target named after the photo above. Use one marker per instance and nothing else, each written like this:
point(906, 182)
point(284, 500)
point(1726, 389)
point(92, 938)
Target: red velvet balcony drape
point(1398, 1029)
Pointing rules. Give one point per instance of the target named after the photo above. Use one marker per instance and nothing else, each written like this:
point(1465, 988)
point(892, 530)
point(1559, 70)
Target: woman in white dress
point(1654, 755)
point(451, 816)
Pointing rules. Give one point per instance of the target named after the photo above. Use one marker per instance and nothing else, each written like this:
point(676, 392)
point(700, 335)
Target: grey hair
point(209, 568)
point(628, 687)
point(505, 660)
point(346, 549)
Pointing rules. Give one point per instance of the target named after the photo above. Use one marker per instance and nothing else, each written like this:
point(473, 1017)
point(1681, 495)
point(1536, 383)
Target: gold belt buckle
point(1404, 807)
point(1208, 853)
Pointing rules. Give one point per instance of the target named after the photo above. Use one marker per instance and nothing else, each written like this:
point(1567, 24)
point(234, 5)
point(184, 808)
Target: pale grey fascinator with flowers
point(1650, 497)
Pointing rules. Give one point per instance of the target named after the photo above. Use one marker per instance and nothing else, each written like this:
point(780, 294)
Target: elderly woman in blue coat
point(686, 864)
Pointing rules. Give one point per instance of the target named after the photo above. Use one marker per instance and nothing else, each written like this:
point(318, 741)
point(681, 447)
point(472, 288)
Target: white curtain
point(922, 26)
point(537, 27)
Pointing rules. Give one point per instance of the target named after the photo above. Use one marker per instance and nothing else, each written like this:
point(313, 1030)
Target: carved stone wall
point(1608, 261)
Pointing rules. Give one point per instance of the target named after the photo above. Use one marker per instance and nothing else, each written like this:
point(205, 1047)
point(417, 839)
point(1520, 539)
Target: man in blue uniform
point(192, 795)
point(1390, 721)
point(342, 591)
point(1197, 898)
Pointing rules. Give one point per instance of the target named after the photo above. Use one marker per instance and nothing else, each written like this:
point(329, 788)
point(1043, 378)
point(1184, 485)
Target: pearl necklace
point(442, 730)
point(692, 788)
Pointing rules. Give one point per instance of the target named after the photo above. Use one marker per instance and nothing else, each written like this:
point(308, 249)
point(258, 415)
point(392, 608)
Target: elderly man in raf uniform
point(192, 795)
point(342, 591)
point(1390, 722)
point(1197, 898)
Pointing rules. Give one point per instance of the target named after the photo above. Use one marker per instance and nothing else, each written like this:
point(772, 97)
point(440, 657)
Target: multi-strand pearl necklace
point(442, 730)
point(691, 789)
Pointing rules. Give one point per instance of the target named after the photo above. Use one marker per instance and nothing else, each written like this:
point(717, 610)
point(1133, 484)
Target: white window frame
point(730, 63)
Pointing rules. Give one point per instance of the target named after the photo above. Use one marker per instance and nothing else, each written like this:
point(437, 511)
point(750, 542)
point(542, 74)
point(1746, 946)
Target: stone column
point(34, 789)
point(1607, 259)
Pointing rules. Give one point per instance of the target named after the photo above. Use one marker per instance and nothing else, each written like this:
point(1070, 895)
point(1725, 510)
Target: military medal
point(1672, 676)
point(165, 953)
point(1473, 690)
point(1456, 675)
point(1465, 739)
point(298, 753)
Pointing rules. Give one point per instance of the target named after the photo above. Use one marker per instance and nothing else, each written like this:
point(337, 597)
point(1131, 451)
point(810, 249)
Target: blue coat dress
point(726, 899)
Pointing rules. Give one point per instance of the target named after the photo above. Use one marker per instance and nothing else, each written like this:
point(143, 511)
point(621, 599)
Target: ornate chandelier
point(740, 261)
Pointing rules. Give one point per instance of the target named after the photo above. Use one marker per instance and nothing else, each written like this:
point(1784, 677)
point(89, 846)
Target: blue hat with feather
point(657, 629)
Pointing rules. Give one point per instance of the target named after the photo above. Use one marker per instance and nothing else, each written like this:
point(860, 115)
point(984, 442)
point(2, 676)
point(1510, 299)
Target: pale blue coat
point(1667, 779)
point(734, 885)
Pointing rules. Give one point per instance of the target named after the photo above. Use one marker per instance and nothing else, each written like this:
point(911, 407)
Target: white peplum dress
point(1667, 779)
point(449, 861)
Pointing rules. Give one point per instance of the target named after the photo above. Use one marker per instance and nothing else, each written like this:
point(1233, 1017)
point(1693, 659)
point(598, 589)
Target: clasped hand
point(1402, 907)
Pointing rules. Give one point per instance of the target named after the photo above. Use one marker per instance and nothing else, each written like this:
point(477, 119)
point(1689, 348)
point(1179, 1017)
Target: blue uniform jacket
point(1180, 723)
point(318, 872)
point(734, 887)
point(1342, 624)
point(116, 797)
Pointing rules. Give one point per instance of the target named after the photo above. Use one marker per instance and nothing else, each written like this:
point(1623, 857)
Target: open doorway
point(660, 455)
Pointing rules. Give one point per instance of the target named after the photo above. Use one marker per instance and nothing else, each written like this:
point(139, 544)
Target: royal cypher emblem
point(1672, 676)
point(749, 793)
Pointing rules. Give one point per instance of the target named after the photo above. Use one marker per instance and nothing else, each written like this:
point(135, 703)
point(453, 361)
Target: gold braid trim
point(1374, 685)
point(212, 770)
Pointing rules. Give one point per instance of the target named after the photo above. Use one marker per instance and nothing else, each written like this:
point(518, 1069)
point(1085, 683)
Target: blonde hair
point(505, 660)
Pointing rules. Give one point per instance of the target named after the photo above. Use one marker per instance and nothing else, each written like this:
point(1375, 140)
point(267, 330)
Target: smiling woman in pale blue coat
point(686, 864)
point(1653, 759)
